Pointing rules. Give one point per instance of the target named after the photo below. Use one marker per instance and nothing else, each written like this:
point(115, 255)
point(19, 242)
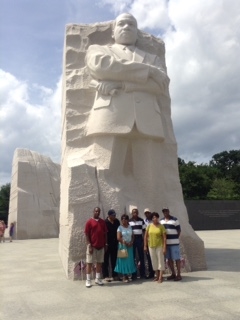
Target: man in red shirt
point(96, 238)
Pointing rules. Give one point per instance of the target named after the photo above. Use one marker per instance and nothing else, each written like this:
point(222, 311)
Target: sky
point(202, 40)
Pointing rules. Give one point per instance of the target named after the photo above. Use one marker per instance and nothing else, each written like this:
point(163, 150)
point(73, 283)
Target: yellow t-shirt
point(155, 235)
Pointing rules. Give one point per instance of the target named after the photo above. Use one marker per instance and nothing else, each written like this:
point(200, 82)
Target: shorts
point(96, 256)
point(157, 258)
point(173, 252)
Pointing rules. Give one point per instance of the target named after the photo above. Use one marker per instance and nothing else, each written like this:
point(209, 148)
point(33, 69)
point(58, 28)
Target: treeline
point(218, 180)
point(4, 202)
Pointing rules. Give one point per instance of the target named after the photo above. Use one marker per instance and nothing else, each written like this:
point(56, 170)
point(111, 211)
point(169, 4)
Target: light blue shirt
point(126, 233)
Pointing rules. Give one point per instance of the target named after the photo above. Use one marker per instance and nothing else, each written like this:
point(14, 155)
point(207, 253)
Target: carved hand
point(109, 87)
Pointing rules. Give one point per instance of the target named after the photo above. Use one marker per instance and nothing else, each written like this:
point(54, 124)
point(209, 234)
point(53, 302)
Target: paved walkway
point(33, 287)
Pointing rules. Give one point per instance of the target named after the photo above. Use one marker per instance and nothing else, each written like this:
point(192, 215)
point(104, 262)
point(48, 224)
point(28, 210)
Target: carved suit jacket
point(138, 101)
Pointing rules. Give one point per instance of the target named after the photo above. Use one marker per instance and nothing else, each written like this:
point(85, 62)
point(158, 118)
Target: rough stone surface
point(35, 196)
point(150, 176)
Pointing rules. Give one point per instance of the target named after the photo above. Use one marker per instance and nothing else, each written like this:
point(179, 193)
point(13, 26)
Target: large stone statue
point(126, 113)
point(118, 144)
point(129, 82)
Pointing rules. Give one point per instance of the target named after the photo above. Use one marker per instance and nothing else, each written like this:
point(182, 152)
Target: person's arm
point(120, 238)
point(89, 245)
point(146, 240)
point(131, 243)
point(164, 243)
point(178, 227)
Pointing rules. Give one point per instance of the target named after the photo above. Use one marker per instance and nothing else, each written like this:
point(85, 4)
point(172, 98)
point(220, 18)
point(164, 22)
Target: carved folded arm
point(150, 86)
point(106, 87)
point(103, 66)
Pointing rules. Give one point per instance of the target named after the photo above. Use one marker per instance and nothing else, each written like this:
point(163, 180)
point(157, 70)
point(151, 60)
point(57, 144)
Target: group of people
point(3, 227)
point(119, 247)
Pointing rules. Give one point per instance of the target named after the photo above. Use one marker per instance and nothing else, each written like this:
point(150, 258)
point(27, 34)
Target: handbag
point(122, 252)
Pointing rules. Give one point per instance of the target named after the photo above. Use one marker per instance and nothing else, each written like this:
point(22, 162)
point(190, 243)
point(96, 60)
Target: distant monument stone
point(118, 146)
point(35, 195)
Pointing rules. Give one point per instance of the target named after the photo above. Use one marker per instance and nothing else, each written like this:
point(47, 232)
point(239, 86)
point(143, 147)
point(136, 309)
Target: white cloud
point(203, 64)
point(150, 14)
point(24, 124)
point(202, 47)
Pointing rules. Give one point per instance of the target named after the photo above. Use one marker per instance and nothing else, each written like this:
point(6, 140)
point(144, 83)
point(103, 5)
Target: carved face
point(125, 30)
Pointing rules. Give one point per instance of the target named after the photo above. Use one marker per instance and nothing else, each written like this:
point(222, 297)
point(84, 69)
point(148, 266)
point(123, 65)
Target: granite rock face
point(94, 171)
point(35, 196)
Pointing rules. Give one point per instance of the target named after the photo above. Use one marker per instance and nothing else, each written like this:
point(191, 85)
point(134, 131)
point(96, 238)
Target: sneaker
point(88, 283)
point(99, 282)
point(107, 279)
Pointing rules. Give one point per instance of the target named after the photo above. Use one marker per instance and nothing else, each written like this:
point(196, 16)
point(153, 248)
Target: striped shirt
point(138, 226)
point(147, 222)
point(172, 227)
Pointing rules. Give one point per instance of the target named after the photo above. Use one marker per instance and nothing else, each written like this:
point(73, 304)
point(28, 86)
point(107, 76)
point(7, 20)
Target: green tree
point(223, 189)
point(196, 179)
point(228, 162)
point(4, 201)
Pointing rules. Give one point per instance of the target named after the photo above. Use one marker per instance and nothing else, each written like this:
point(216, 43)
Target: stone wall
point(35, 196)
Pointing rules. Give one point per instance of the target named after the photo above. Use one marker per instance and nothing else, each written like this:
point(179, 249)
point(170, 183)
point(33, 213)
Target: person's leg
point(88, 271)
point(176, 257)
point(171, 266)
point(157, 273)
point(89, 260)
point(99, 262)
point(141, 257)
point(161, 263)
point(170, 263)
point(150, 267)
point(105, 266)
point(178, 264)
point(113, 258)
point(152, 252)
point(98, 270)
point(134, 275)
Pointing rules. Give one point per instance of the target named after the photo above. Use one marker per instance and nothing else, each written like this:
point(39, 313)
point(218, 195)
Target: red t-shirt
point(96, 230)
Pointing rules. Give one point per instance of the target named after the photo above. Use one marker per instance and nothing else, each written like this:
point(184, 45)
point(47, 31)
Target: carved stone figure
point(118, 144)
point(129, 82)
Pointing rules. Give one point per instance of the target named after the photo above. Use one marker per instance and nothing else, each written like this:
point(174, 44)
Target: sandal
point(178, 278)
point(171, 277)
point(155, 279)
point(125, 280)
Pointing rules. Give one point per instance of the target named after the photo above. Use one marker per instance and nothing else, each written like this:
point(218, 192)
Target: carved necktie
point(129, 52)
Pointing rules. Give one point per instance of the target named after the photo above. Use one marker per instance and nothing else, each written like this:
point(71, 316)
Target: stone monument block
point(118, 145)
point(35, 195)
